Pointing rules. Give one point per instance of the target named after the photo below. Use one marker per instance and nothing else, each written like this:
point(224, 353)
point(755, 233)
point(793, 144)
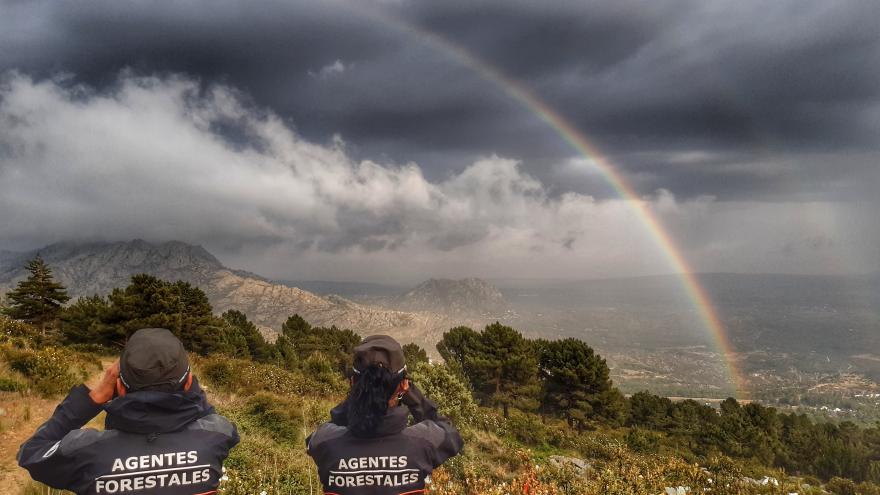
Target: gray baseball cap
point(153, 359)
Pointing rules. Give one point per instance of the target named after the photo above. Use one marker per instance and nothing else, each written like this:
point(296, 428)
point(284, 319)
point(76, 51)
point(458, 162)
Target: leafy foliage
point(299, 340)
point(240, 329)
point(150, 302)
point(761, 435)
point(50, 371)
point(452, 395)
point(247, 377)
point(413, 354)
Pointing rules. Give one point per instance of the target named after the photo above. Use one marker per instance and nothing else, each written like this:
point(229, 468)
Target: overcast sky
point(332, 140)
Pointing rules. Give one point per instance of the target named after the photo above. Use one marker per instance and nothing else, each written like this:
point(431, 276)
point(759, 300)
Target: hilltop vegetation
point(538, 416)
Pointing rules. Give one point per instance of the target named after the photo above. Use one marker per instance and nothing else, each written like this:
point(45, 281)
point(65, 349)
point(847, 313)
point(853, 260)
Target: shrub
point(51, 371)
point(257, 465)
point(528, 428)
point(450, 393)
point(841, 486)
point(319, 366)
point(8, 384)
point(19, 334)
point(246, 376)
point(218, 372)
point(279, 417)
point(644, 441)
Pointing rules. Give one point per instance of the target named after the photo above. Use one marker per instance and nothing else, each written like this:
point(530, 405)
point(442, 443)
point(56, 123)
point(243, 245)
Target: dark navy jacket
point(396, 460)
point(154, 443)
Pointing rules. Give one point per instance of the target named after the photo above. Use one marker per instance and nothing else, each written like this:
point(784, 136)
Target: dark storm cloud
point(739, 82)
point(736, 81)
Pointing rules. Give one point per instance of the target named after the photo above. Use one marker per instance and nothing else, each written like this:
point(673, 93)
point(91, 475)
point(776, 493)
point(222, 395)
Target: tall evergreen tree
point(37, 299)
point(299, 340)
point(257, 346)
point(414, 354)
point(576, 382)
point(500, 363)
point(457, 347)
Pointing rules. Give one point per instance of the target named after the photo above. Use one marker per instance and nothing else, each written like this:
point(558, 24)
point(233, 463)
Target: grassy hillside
point(275, 408)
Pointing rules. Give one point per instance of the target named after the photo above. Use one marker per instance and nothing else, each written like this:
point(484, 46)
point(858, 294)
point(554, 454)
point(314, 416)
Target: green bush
point(841, 486)
point(19, 334)
point(51, 371)
point(259, 465)
point(320, 367)
point(450, 393)
point(8, 384)
point(219, 373)
point(643, 441)
point(528, 428)
point(279, 417)
point(246, 376)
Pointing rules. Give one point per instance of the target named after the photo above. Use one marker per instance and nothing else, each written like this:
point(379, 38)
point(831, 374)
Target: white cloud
point(329, 70)
point(154, 159)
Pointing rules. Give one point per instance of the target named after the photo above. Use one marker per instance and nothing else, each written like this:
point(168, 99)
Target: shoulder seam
point(82, 438)
point(325, 433)
point(214, 423)
point(424, 432)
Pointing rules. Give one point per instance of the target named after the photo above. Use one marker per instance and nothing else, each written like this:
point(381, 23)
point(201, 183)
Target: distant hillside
point(469, 296)
point(97, 268)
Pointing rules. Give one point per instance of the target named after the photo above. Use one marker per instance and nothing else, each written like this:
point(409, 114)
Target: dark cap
point(153, 359)
point(380, 350)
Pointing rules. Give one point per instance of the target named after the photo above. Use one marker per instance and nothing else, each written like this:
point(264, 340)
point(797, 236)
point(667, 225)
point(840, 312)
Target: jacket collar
point(148, 411)
point(394, 421)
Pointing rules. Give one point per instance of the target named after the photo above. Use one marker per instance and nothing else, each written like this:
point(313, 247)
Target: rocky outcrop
point(269, 305)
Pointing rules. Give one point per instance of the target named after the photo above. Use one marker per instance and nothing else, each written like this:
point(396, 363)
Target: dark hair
point(368, 398)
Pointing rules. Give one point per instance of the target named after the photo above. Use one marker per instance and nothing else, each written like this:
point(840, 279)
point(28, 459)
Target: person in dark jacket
point(161, 436)
point(368, 447)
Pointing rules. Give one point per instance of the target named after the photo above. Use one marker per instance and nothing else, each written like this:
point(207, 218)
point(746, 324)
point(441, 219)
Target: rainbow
point(697, 294)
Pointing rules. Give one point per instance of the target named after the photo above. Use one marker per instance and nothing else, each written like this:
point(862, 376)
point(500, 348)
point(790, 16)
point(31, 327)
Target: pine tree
point(38, 299)
point(499, 362)
point(413, 354)
point(576, 382)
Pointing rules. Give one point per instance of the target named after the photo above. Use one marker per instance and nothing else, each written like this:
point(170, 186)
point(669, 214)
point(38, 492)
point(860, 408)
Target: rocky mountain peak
point(468, 296)
point(97, 267)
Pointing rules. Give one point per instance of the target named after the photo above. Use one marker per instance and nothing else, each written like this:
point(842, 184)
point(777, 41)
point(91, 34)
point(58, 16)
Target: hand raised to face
point(103, 392)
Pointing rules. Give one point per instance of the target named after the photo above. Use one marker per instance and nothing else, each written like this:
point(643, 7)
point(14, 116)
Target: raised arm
point(46, 454)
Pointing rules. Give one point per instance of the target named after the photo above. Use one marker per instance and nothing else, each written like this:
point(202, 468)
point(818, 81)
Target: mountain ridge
point(98, 267)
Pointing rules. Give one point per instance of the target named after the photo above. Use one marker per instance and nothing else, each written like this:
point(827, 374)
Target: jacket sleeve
point(220, 424)
point(42, 456)
point(443, 437)
point(420, 407)
point(451, 444)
